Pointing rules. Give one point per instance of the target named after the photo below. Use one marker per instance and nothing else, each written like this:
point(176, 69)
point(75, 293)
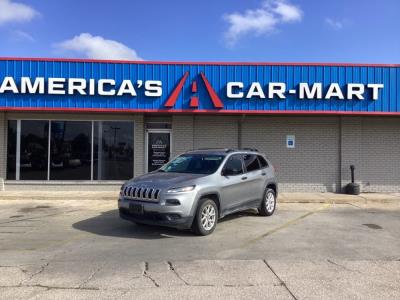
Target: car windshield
point(194, 164)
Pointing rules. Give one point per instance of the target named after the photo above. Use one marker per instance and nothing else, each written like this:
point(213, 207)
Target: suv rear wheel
point(206, 217)
point(268, 203)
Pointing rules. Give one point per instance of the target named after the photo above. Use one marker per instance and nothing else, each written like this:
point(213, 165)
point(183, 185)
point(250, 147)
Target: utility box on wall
point(290, 142)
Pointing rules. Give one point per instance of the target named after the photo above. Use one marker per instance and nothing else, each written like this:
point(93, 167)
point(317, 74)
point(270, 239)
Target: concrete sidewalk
point(206, 279)
point(112, 195)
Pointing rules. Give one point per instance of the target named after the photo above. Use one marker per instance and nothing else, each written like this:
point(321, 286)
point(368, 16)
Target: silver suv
point(199, 187)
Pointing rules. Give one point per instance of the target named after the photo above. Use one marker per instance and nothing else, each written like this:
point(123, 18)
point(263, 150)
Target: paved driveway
point(81, 249)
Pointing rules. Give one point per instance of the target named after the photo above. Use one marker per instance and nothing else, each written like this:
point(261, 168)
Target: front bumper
point(160, 219)
point(177, 216)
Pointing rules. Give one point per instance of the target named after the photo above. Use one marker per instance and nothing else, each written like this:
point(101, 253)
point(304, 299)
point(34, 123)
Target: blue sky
point(365, 31)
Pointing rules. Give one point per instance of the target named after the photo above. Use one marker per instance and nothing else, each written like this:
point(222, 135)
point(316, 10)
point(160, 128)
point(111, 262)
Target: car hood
point(164, 179)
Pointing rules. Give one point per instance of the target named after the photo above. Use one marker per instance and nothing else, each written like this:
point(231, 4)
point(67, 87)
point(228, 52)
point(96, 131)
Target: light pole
point(115, 132)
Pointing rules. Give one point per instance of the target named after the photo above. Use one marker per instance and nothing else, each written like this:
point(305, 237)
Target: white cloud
point(288, 12)
point(19, 35)
point(97, 47)
point(15, 12)
point(335, 24)
point(262, 20)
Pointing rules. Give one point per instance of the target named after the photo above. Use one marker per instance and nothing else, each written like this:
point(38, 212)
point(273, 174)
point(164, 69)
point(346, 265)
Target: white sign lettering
point(154, 88)
point(273, 90)
point(80, 86)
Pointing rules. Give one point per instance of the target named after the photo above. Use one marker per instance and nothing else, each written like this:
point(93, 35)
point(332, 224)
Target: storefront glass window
point(73, 153)
point(11, 149)
point(34, 150)
point(113, 150)
point(70, 150)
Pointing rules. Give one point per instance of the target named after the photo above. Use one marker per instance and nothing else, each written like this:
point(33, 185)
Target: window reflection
point(113, 150)
point(70, 152)
point(34, 149)
point(11, 149)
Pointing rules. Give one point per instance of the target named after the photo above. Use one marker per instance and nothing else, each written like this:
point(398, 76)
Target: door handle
point(244, 177)
point(263, 174)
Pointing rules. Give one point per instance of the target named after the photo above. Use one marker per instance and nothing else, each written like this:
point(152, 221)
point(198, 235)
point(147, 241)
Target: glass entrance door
point(158, 148)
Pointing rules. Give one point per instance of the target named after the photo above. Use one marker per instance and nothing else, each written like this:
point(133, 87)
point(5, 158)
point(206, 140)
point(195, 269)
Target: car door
point(253, 179)
point(232, 183)
point(266, 170)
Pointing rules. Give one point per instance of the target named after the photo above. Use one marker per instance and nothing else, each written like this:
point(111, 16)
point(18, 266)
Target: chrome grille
point(141, 193)
point(150, 193)
point(133, 192)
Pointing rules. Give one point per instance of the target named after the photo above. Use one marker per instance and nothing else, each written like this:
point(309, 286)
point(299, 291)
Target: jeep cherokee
point(197, 188)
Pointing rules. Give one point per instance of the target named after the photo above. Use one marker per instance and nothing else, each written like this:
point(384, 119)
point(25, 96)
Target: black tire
point(265, 208)
point(139, 223)
point(198, 227)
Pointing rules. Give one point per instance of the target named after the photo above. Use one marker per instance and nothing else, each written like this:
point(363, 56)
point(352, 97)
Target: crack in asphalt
point(280, 280)
point(23, 281)
point(146, 274)
point(42, 267)
point(172, 268)
point(341, 266)
point(48, 287)
point(90, 277)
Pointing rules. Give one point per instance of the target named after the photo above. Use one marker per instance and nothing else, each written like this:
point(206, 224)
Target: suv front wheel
point(268, 203)
point(206, 217)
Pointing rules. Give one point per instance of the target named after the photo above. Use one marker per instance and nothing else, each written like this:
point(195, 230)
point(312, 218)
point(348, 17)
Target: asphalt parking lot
point(81, 249)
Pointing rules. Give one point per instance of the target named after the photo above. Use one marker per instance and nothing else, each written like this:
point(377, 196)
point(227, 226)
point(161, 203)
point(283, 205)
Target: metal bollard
point(352, 168)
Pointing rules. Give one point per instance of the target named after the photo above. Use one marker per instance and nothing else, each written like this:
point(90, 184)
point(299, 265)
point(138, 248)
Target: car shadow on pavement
point(110, 224)
point(240, 214)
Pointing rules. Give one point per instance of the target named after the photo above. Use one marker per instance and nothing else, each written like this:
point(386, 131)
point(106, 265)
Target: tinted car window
point(234, 165)
point(194, 164)
point(251, 162)
point(262, 161)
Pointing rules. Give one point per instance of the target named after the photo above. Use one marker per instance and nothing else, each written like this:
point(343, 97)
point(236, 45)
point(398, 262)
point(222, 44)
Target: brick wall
point(372, 145)
point(139, 158)
point(182, 134)
point(325, 146)
point(351, 148)
point(215, 131)
point(380, 155)
point(313, 165)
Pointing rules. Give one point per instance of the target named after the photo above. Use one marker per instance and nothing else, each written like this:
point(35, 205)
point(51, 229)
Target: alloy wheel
point(208, 217)
point(270, 202)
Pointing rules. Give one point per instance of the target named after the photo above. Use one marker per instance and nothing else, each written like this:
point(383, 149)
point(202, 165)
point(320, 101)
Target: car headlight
point(182, 189)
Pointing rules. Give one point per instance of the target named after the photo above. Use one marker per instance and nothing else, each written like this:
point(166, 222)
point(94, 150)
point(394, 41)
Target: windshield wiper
point(161, 170)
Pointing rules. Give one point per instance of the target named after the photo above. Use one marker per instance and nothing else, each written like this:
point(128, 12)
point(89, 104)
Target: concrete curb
point(59, 195)
point(283, 197)
point(363, 198)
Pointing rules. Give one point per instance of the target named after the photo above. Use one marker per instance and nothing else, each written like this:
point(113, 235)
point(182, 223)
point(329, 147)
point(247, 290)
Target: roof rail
point(222, 149)
point(250, 149)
